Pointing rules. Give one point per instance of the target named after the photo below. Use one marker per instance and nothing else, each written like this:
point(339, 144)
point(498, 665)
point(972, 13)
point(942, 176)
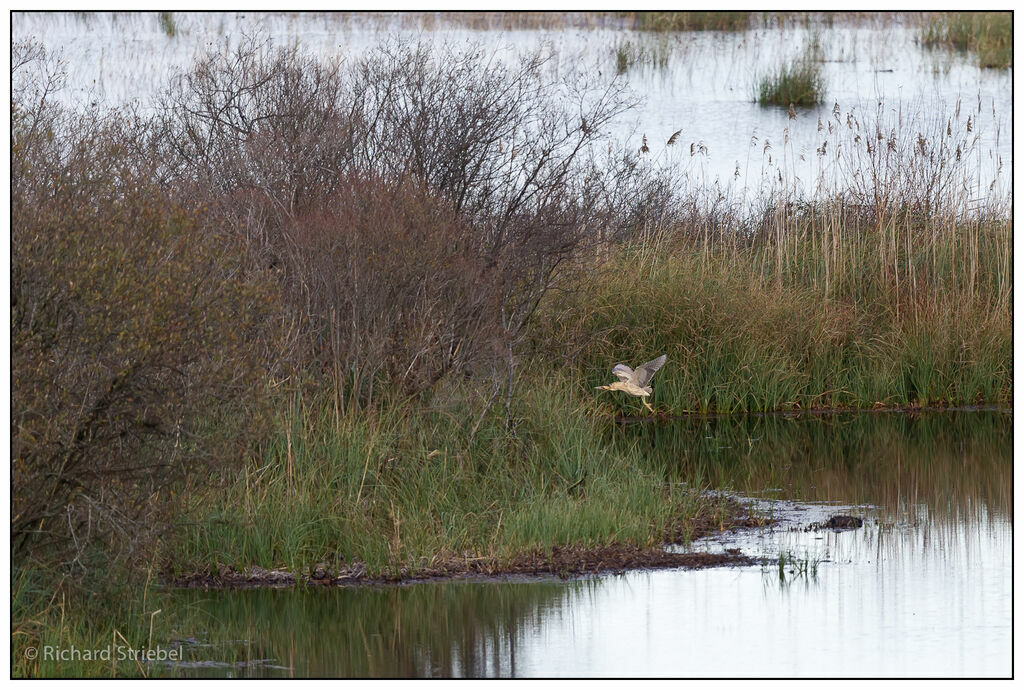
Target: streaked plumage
point(636, 382)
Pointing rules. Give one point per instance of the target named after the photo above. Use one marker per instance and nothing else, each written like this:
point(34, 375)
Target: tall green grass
point(799, 82)
point(781, 324)
point(989, 35)
point(402, 487)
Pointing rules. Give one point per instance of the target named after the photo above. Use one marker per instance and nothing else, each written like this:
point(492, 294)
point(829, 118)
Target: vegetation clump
point(989, 35)
point(168, 25)
point(692, 21)
point(798, 83)
point(643, 53)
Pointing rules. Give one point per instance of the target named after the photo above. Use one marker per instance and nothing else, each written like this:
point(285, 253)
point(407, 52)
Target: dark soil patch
point(725, 514)
point(837, 522)
point(562, 562)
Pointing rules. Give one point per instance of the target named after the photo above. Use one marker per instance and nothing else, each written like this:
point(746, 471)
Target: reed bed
point(643, 53)
point(746, 332)
point(988, 35)
point(693, 21)
point(797, 83)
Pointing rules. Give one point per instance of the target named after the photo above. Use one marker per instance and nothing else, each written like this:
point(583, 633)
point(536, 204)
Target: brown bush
point(389, 284)
point(131, 325)
point(261, 132)
point(486, 173)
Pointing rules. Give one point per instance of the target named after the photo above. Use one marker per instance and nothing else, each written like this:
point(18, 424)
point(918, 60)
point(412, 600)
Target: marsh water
point(700, 83)
point(923, 588)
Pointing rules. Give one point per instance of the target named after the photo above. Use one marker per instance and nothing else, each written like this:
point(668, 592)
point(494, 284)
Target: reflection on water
point(955, 463)
point(922, 589)
point(439, 629)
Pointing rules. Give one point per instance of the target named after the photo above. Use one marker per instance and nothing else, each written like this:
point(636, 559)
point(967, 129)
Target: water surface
point(701, 83)
point(922, 589)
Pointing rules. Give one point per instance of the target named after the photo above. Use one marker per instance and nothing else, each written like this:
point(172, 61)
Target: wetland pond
point(702, 84)
point(923, 588)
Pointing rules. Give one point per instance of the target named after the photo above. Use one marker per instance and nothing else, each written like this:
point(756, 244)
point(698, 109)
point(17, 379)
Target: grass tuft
point(989, 35)
point(798, 83)
point(645, 52)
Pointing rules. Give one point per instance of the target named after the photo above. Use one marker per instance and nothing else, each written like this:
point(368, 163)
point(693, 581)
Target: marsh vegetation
point(798, 82)
point(310, 312)
point(987, 35)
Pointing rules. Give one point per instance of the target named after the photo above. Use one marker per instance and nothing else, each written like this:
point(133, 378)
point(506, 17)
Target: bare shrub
point(263, 131)
point(278, 142)
point(389, 285)
point(495, 140)
point(131, 325)
point(511, 148)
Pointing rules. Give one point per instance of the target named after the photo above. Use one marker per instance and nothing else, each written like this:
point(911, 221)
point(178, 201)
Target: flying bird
point(636, 382)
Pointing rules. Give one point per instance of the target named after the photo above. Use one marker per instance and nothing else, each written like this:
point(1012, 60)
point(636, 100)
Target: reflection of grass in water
point(86, 614)
point(167, 24)
point(654, 52)
point(432, 630)
point(954, 462)
point(436, 629)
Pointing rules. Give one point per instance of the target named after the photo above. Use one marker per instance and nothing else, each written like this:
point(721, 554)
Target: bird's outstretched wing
point(645, 372)
point(623, 372)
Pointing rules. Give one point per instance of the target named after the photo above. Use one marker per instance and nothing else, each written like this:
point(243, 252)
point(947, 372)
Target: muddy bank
point(562, 562)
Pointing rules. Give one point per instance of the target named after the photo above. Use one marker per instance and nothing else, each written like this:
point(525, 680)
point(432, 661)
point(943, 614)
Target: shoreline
point(611, 560)
point(562, 562)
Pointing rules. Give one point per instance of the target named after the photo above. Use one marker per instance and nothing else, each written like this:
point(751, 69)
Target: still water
point(924, 588)
point(700, 83)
